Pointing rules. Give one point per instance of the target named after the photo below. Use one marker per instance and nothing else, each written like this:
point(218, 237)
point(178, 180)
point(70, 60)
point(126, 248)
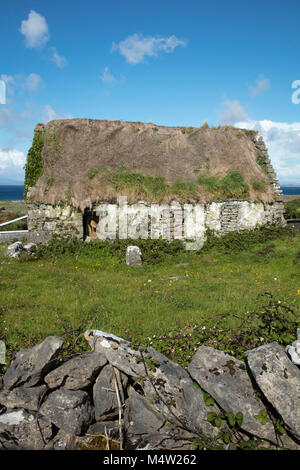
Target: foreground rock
point(68, 410)
point(279, 380)
point(176, 395)
point(146, 428)
point(22, 430)
point(133, 256)
point(22, 397)
point(31, 365)
point(227, 381)
point(104, 392)
point(77, 373)
point(143, 399)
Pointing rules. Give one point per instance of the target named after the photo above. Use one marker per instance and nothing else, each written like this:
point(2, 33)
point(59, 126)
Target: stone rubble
point(48, 405)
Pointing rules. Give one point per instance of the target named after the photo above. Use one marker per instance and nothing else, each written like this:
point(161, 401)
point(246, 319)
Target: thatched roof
point(79, 156)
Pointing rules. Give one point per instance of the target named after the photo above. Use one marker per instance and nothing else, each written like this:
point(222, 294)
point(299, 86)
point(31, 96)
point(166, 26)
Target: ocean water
point(11, 192)
point(15, 193)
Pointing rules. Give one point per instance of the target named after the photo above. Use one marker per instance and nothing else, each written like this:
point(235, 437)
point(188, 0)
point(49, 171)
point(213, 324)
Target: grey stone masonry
point(262, 152)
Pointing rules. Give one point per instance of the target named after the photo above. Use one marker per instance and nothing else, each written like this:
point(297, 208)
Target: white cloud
point(107, 77)
point(49, 114)
point(59, 60)
point(262, 84)
point(7, 78)
point(11, 158)
point(233, 111)
point(35, 30)
point(33, 82)
point(283, 142)
point(136, 47)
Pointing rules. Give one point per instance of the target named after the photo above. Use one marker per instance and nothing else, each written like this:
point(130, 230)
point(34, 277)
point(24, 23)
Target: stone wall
point(150, 221)
point(142, 400)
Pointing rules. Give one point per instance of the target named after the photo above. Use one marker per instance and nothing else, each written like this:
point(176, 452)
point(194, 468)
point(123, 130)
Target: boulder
point(22, 397)
point(14, 250)
point(77, 373)
point(104, 393)
point(31, 365)
point(69, 410)
point(279, 380)
point(226, 379)
point(30, 247)
point(22, 430)
point(133, 256)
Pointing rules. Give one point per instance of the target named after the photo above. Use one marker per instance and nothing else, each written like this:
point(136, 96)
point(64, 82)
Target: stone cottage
point(79, 170)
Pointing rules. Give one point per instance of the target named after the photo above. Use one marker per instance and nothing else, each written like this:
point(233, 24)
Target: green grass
point(259, 185)
point(292, 209)
point(67, 293)
point(231, 185)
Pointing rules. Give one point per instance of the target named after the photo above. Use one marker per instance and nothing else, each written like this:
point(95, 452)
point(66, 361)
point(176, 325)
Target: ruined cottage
point(77, 169)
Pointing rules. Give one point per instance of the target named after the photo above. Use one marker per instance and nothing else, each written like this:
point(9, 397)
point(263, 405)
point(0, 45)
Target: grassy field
point(10, 210)
point(66, 293)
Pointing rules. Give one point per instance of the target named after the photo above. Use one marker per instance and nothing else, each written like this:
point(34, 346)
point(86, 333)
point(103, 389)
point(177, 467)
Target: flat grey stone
point(279, 380)
point(22, 397)
point(20, 428)
point(31, 365)
point(227, 381)
point(104, 393)
point(140, 416)
point(77, 373)
point(69, 410)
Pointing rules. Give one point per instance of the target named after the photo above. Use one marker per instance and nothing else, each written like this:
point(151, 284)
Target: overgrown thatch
point(86, 161)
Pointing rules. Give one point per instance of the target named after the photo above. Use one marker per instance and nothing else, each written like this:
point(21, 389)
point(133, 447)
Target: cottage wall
point(144, 220)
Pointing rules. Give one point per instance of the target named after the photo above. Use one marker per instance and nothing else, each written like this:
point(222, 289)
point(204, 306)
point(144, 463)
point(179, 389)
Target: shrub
point(34, 163)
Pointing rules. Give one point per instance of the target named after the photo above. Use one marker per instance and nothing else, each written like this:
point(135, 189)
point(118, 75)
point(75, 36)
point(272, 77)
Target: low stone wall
point(141, 400)
point(152, 221)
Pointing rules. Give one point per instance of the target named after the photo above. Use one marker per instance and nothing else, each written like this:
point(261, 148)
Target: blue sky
point(168, 62)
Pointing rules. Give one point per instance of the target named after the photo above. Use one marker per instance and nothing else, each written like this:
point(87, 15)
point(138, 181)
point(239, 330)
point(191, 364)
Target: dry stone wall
point(141, 400)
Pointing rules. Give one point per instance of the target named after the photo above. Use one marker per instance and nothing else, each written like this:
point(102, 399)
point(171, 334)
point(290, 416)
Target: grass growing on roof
point(230, 186)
